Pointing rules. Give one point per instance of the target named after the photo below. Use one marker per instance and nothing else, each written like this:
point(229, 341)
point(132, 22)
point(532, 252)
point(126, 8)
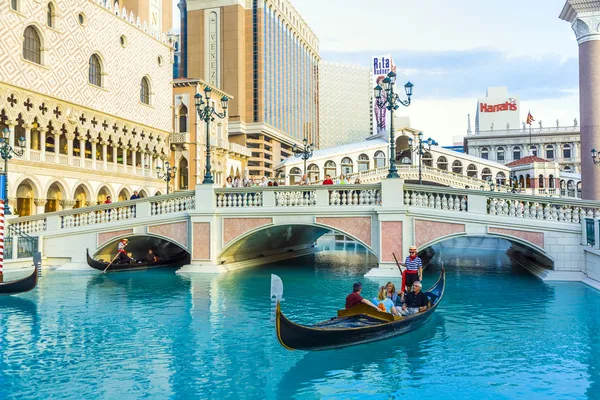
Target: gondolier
point(413, 271)
point(123, 257)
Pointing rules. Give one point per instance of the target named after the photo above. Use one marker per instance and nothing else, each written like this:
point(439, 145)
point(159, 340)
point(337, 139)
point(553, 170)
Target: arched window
point(567, 151)
point(534, 151)
point(363, 162)
point(500, 178)
point(568, 169)
point(516, 153)
point(500, 154)
point(486, 174)
point(145, 91)
point(32, 45)
point(49, 143)
point(457, 167)
point(95, 71)
point(379, 159)
point(549, 152)
point(442, 163)
point(330, 169)
point(313, 172)
point(295, 176)
point(14, 4)
point(427, 159)
point(183, 174)
point(541, 181)
point(183, 117)
point(485, 154)
point(347, 166)
point(50, 15)
point(551, 182)
point(472, 171)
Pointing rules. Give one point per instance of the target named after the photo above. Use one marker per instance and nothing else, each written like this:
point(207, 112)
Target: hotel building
point(88, 86)
point(263, 54)
point(345, 94)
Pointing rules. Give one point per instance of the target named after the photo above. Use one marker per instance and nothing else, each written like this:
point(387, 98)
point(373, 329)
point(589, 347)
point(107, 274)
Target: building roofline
point(189, 82)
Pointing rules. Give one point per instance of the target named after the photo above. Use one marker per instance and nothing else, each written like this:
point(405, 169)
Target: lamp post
point(392, 102)
point(7, 152)
point(305, 152)
point(515, 185)
point(419, 150)
point(207, 113)
point(167, 173)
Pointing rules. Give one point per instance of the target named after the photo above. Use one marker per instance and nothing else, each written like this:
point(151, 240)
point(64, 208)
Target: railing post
point(322, 194)
point(392, 192)
point(15, 247)
point(206, 200)
point(268, 198)
point(142, 209)
point(477, 203)
point(53, 222)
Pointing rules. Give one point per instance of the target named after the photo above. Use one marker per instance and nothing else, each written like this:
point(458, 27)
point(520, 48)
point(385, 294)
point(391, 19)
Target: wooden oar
point(110, 263)
point(397, 263)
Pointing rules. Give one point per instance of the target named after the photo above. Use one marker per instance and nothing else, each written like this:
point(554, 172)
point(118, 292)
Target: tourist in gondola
point(123, 257)
point(413, 271)
point(151, 257)
point(355, 298)
point(391, 293)
point(415, 302)
point(383, 302)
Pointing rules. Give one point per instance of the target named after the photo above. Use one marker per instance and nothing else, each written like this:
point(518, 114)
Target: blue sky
point(453, 50)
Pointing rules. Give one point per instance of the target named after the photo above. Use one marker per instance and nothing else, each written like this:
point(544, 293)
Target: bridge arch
point(279, 238)
point(139, 245)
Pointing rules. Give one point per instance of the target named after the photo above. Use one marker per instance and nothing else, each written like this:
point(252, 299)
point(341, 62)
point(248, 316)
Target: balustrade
point(366, 196)
point(295, 198)
point(239, 199)
point(173, 205)
point(29, 225)
point(540, 209)
point(97, 215)
point(438, 201)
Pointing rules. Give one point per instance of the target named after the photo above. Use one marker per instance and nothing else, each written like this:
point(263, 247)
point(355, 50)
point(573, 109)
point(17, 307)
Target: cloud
point(451, 74)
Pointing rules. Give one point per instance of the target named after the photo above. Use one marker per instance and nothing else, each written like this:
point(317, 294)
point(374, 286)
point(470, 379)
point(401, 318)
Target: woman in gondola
point(391, 293)
point(383, 302)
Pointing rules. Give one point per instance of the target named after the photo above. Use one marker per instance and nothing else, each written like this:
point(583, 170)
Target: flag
point(530, 119)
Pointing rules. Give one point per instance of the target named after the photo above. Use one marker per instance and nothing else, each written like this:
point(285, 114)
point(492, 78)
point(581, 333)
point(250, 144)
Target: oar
point(397, 263)
point(110, 263)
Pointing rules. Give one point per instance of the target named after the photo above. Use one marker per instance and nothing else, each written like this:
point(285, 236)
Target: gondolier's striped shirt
point(413, 265)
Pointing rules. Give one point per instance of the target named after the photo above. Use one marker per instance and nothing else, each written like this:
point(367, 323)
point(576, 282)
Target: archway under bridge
point(275, 239)
point(477, 248)
point(138, 246)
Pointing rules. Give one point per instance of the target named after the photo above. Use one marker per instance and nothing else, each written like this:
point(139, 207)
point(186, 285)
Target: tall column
point(82, 152)
point(584, 18)
point(133, 154)
point(43, 144)
point(94, 141)
point(70, 137)
point(151, 165)
point(57, 147)
point(104, 154)
point(115, 162)
point(28, 142)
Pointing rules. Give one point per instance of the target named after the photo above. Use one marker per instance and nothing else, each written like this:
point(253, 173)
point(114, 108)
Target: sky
point(452, 51)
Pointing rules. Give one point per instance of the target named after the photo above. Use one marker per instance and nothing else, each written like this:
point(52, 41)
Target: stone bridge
point(227, 229)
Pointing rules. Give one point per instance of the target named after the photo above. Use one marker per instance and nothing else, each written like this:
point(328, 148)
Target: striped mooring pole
point(1, 240)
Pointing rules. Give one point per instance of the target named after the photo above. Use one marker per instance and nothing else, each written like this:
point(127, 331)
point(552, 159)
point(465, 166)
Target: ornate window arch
point(330, 168)
point(347, 166)
point(457, 167)
point(442, 163)
point(32, 45)
point(485, 154)
point(472, 171)
point(516, 153)
point(500, 154)
point(145, 90)
point(95, 70)
point(379, 159)
point(183, 118)
point(50, 12)
point(363, 162)
point(549, 152)
point(567, 151)
point(486, 174)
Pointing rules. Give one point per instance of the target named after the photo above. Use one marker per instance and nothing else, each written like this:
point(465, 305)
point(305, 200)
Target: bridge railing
point(299, 196)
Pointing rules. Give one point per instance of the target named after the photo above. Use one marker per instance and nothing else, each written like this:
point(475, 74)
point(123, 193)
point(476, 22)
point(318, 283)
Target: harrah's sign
point(510, 105)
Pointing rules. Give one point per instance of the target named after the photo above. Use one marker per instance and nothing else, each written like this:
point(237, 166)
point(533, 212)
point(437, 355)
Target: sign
point(510, 105)
point(382, 65)
point(498, 111)
point(3, 186)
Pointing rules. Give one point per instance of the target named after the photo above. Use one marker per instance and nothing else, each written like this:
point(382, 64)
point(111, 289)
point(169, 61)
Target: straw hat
point(125, 240)
point(412, 248)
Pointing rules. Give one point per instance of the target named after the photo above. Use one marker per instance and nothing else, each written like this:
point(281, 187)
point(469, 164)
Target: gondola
point(169, 262)
point(20, 286)
point(360, 324)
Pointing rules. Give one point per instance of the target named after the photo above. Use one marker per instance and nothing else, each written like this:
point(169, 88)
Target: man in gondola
point(415, 301)
point(413, 271)
point(123, 257)
point(355, 298)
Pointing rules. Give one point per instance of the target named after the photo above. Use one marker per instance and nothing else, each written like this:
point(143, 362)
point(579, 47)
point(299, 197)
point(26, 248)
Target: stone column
point(11, 129)
point(28, 142)
point(133, 159)
point(57, 147)
point(114, 149)
point(94, 141)
point(43, 144)
point(82, 151)
point(105, 154)
point(70, 137)
point(39, 205)
point(67, 204)
point(585, 21)
point(151, 165)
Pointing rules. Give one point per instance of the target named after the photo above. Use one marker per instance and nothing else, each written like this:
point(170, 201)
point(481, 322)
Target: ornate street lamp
point(207, 113)
point(7, 152)
point(392, 102)
point(515, 184)
point(167, 173)
point(305, 152)
point(419, 150)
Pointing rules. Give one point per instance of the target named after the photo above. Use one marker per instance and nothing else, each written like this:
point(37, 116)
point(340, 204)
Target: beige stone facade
point(266, 56)
point(91, 95)
point(188, 142)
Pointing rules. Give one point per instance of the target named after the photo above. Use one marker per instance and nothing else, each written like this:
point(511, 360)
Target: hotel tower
point(265, 56)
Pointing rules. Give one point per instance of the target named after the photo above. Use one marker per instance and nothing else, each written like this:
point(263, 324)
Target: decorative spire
point(469, 124)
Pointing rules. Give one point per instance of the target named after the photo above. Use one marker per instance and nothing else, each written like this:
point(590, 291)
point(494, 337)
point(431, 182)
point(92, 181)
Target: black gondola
point(361, 324)
point(168, 262)
point(20, 286)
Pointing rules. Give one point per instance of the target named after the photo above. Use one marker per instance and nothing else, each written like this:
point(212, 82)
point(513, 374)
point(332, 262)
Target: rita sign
point(382, 65)
point(510, 105)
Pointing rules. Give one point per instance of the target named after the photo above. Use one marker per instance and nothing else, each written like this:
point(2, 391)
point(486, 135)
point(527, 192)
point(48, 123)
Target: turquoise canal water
point(498, 334)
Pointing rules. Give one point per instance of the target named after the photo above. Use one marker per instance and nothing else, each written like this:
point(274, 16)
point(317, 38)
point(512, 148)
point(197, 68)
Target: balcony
point(179, 138)
point(239, 149)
